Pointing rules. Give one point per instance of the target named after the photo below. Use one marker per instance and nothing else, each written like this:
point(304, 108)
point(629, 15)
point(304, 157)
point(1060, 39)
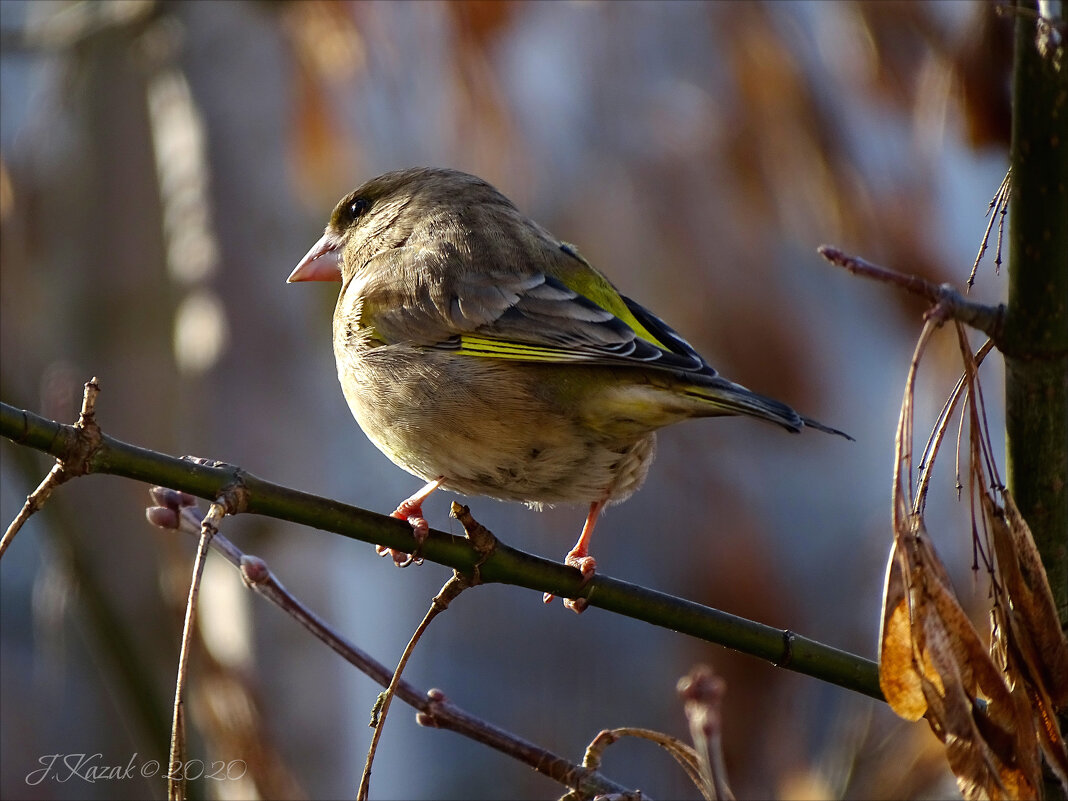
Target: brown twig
point(904, 499)
point(440, 713)
point(484, 542)
point(683, 754)
point(781, 647)
point(938, 432)
point(702, 691)
point(34, 501)
point(456, 584)
point(953, 305)
point(231, 501)
point(87, 438)
point(209, 527)
point(998, 208)
point(178, 511)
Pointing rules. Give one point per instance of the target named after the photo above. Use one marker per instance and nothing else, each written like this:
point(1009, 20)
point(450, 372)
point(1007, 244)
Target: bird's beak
point(322, 262)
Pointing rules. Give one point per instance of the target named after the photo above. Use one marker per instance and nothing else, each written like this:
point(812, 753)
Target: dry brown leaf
point(898, 677)
point(980, 750)
point(1004, 724)
point(1029, 638)
point(934, 662)
point(979, 674)
point(968, 758)
point(1051, 740)
point(682, 753)
point(902, 641)
point(1033, 609)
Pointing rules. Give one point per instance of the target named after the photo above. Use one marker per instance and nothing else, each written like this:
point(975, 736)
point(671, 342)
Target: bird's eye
point(359, 207)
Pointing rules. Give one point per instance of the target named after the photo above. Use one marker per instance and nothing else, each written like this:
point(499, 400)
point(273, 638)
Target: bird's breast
point(487, 425)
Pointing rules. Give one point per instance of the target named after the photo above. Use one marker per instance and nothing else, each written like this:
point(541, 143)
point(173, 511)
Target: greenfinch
point(484, 355)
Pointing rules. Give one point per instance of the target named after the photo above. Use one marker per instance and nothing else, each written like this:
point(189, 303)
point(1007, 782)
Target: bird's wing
point(570, 316)
point(548, 321)
point(568, 313)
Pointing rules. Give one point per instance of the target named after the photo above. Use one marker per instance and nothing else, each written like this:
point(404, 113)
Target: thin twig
point(176, 772)
point(1002, 215)
point(703, 691)
point(682, 753)
point(484, 543)
point(178, 511)
point(971, 367)
point(87, 432)
point(442, 714)
point(988, 319)
point(938, 432)
point(34, 501)
point(982, 465)
point(456, 584)
point(902, 491)
point(506, 565)
point(999, 204)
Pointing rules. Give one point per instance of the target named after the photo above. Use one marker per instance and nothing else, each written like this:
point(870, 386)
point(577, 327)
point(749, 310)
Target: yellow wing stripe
point(588, 282)
point(515, 351)
point(623, 313)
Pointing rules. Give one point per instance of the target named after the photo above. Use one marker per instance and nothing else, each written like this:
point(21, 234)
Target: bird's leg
point(411, 509)
point(579, 556)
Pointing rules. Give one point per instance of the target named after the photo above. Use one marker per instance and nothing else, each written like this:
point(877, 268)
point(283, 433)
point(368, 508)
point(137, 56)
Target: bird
point(487, 357)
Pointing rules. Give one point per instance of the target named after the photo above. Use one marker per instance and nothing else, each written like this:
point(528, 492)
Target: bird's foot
point(412, 511)
point(583, 562)
point(587, 566)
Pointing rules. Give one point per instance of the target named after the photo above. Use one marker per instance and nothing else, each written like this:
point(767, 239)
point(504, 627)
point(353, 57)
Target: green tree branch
point(505, 565)
point(1036, 323)
point(1036, 320)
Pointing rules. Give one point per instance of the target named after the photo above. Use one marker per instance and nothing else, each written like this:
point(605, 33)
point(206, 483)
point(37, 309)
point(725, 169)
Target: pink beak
point(321, 263)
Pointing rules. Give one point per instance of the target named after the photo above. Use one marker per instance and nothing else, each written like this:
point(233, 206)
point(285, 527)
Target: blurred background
point(163, 167)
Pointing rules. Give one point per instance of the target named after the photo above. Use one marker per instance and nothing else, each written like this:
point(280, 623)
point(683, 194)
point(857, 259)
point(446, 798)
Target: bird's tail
point(816, 424)
point(723, 397)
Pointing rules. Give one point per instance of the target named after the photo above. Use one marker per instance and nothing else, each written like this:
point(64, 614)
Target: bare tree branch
point(178, 511)
point(781, 647)
point(988, 319)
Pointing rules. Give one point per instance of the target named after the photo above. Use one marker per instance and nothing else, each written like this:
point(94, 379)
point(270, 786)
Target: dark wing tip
point(810, 423)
